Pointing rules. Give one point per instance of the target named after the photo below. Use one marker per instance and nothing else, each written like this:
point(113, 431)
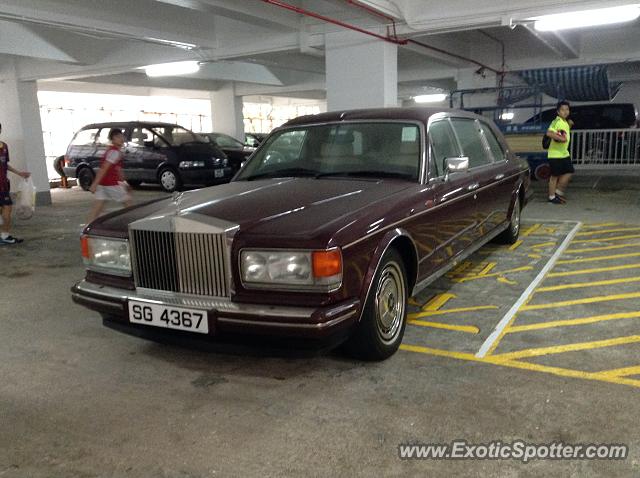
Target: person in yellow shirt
point(558, 154)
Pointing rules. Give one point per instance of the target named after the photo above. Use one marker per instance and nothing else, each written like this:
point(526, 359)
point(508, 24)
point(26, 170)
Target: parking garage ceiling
point(270, 50)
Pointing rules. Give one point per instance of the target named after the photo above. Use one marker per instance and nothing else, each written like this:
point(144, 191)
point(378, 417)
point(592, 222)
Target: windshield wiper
point(368, 173)
point(283, 173)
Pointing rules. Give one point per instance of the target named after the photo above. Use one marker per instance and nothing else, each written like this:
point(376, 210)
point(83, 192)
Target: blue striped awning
point(574, 83)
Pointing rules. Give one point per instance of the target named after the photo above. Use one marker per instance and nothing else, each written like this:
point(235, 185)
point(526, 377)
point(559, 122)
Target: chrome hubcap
point(168, 180)
point(389, 303)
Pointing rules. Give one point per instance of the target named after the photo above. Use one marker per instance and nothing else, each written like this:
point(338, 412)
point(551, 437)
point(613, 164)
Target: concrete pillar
point(362, 72)
point(226, 112)
point(22, 129)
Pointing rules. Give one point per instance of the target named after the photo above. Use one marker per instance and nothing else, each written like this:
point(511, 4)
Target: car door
point(503, 180)
point(451, 224)
point(141, 158)
point(480, 174)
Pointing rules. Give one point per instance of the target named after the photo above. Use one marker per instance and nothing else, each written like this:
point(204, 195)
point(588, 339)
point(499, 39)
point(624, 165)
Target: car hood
point(279, 207)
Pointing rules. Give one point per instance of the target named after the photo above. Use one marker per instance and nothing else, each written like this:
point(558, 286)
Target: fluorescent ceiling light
point(172, 69)
point(507, 116)
point(433, 98)
point(587, 18)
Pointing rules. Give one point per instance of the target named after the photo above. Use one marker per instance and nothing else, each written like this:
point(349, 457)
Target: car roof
point(128, 124)
point(420, 114)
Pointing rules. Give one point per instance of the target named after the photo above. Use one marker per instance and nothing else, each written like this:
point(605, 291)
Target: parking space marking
point(579, 285)
point(557, 349)
point(419, 315)
point(516, 244)
point(621, 372)
point(492, 359)
point(493, 340)
point(527, 232)
point(470, 329)
point(603, 248)
point(594, 271)
point(586, 300)
point(603, 224)
point(608, 231)
point(569, 322)
point(437, 302)
point(599, 258)
point(470, 271)
point(494, 274)
point(606, 239)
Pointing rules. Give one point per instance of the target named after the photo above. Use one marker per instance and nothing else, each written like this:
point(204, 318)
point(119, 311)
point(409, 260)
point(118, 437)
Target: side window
point(494, 145)
point(469, 134)
point(443, 145)
point(141, 137)
point(85, 137)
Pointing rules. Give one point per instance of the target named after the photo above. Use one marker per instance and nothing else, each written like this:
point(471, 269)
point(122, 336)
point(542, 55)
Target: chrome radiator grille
point(180, 262)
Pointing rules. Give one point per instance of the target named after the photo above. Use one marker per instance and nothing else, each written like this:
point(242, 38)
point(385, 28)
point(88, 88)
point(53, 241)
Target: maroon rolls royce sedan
point(324, 234)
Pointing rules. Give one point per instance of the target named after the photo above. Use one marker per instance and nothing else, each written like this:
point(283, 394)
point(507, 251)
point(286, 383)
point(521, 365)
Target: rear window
point(84, 137)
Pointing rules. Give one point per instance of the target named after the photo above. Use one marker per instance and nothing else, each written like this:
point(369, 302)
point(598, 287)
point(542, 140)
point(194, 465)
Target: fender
point(389, 239)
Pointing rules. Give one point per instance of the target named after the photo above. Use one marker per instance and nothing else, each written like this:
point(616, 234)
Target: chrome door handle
point(499, 177)
point(473, 187)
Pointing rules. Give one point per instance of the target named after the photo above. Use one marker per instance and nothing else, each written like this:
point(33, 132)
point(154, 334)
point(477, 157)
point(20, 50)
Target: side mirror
point(458, 164)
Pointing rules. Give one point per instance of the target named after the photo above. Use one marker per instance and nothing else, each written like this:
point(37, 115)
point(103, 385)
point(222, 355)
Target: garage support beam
point(361, 72)
point(226, 111)
point(22, 129)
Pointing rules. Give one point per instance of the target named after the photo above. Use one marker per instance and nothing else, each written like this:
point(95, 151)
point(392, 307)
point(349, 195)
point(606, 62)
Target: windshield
point(177, 135)
point(225, 141)
point(344, 149)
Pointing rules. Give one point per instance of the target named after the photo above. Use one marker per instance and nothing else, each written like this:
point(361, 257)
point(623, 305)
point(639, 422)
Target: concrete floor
point(80, 400)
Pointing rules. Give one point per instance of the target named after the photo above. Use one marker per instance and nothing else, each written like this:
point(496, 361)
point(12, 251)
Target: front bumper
point(224, 315)
point(206, 176)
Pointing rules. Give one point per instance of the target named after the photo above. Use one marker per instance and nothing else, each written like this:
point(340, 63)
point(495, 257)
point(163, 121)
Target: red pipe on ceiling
point(324, 18)
point(395, 40)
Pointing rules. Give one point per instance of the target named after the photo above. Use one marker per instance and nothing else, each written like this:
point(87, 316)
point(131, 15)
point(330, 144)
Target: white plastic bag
point(26, 202)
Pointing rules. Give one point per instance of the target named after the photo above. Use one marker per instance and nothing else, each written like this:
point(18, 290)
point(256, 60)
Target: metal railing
point(606, 148)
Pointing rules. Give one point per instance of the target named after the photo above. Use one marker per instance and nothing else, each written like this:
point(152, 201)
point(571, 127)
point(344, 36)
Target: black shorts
point(560, 166)
point(5, 195)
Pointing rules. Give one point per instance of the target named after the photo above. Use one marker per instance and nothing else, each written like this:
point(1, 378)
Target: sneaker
point(563, 199)
point(555, 200)
point(10, 240)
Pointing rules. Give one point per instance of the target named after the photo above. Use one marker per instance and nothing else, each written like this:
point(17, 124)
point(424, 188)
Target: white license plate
point(218, 173)
point(179, 318)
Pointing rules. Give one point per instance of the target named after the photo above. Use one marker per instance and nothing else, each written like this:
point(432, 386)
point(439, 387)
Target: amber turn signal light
point(327, 263)
point(84, 247)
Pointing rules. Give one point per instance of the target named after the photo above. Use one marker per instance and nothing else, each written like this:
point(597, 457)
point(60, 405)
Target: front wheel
point(381, 328)
point(169, 180)
point(85, 178)
point(510, 235)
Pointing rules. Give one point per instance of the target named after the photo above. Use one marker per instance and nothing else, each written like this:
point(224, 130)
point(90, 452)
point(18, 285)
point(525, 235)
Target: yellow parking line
point(608, 231)
point(562, 372)
point(544, 244)
point(494, 274)
point(530, 230)
point(593, 271)
point(557, 349)
point(570, 322)
point(579, 285)
point(603, 224)
point(607, 239)
point(599, 258)
point(603, 248)
point(431, 313)
point(470, 329)
point(438, 301)
point(588, 300)
point(621, 372)
point(515, 245)
point(487, 268)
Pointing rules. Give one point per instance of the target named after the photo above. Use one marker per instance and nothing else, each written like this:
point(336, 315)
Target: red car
point(334, 222)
